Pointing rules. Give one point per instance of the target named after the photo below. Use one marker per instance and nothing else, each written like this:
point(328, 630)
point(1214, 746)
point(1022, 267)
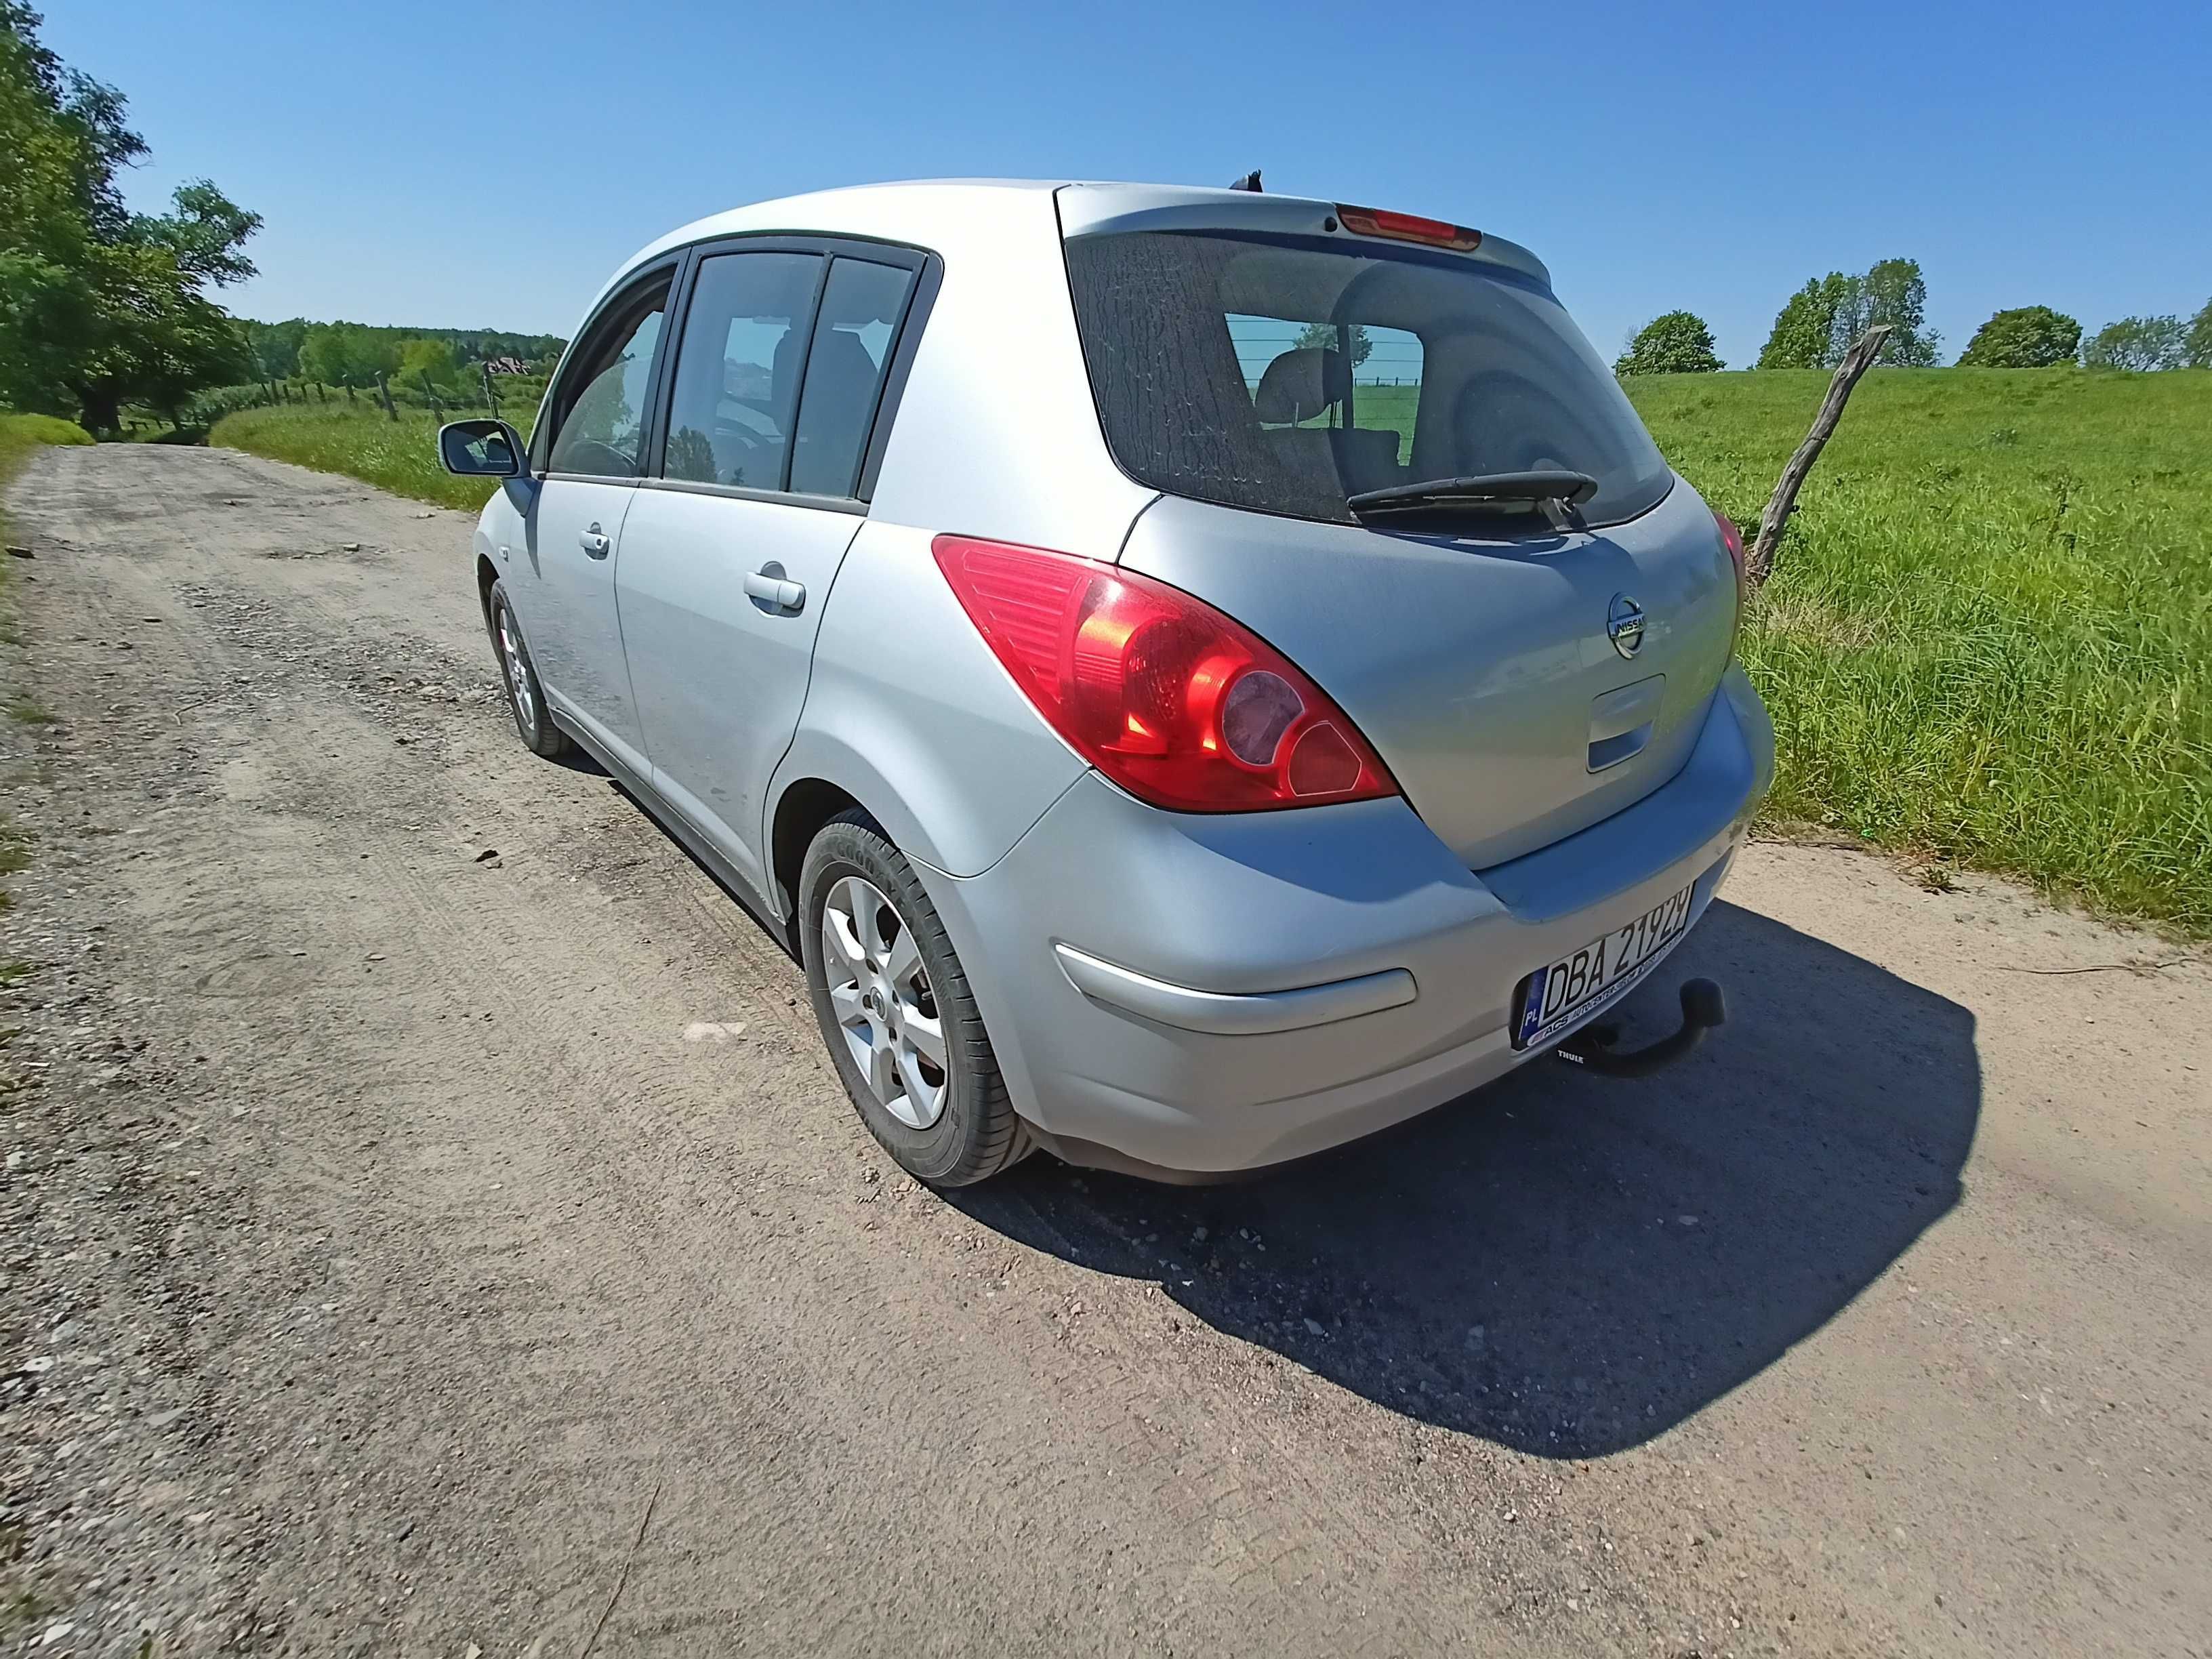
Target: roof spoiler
point(1095, 209)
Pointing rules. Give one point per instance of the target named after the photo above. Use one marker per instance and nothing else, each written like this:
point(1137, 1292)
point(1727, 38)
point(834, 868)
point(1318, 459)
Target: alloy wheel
point(881, 995)
point(518, 672)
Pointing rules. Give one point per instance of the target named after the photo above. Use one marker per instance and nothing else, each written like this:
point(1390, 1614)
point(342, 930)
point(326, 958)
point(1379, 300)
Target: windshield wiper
point(1485, 490)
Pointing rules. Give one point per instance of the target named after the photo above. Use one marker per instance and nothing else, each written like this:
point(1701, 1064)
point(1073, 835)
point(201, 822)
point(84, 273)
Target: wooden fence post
point(1758, 563)
point(384, 390)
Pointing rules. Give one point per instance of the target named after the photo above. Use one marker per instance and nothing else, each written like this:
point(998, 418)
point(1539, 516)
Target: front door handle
point(771, 588)
point(596, 544)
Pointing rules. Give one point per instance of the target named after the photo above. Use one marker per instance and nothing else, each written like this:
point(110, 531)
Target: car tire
point(526, 697)
point(948, 1124)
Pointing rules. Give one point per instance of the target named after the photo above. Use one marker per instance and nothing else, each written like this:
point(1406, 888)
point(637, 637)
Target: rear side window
point(1285, 373)
point(739, 367)
point(861, 306)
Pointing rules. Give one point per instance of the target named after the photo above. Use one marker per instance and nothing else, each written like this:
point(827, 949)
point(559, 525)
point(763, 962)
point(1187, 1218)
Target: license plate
point(1553, 998)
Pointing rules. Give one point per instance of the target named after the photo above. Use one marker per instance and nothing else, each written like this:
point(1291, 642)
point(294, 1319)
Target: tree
point(99, 306)
point(428, 363)
point(2197, 347)
point(347, 353)
point(1806, 326)
point(322, 355)
point(1822, 319)
point(1324, 334)
point(1677, 342)
point(275, 348)
point(1891, 292)
point(370, 355)
point(2027, 337)
point(2138, 343)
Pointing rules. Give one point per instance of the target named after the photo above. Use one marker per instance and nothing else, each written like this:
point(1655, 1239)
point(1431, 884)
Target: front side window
point(601, 431)
point(1288, 374)
point(738, 369)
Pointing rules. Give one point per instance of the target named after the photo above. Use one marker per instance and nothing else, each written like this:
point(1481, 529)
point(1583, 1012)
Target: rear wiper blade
point(1485, 489)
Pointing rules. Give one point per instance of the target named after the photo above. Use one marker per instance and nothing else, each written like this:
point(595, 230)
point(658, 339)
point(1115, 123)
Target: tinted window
point(602, 431)
point(1285, 373)
point(737, 369)
point(860, 309)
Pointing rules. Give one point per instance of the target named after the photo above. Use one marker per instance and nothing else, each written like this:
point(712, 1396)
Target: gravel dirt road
point(414, 1251)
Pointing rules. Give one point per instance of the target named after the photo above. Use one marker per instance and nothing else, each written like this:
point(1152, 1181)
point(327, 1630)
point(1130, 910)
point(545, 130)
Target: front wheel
point(895, 1010)
point(526, 697)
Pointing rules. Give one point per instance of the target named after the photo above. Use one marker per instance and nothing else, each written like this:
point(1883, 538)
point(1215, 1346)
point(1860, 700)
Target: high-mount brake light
point(1174, 702)
point(1407, 228)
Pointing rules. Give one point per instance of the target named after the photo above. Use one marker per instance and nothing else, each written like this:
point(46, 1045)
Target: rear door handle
point(770, 586)
point(596, 544)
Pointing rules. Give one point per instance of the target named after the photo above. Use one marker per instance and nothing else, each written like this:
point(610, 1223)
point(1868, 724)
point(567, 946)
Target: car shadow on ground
point(1569, 1265)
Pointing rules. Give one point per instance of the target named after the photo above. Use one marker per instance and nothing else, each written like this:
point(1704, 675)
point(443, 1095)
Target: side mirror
point(481, 449)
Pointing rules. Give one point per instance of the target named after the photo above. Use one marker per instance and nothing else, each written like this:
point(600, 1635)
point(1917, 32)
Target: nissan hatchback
point(1197, 676)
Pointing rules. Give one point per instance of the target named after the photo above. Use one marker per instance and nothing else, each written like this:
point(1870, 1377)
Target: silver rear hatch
point(1482, 673)
point(1524, 665)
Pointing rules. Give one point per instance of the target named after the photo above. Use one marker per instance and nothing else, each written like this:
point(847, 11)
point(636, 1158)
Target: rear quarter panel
point(910, 715)
point(996, 433)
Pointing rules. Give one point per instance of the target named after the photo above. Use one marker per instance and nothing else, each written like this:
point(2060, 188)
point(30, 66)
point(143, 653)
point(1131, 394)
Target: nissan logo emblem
point(1623, 625)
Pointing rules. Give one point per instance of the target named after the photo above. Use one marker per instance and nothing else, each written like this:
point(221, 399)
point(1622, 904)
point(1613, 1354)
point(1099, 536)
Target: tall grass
point(1989, 634)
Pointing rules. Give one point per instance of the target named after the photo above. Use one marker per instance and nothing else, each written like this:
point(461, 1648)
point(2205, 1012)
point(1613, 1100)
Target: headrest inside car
point(1300, 384)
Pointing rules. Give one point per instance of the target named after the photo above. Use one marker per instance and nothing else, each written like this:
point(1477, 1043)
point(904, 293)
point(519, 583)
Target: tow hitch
point(1703, 1008)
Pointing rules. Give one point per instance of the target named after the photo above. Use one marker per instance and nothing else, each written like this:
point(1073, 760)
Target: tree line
point(355, 354)
point(1817, 325)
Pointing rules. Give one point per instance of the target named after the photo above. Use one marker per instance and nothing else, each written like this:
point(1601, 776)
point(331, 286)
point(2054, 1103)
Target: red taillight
point(1732, 538)
point(1407, 228)
point(1164, 694)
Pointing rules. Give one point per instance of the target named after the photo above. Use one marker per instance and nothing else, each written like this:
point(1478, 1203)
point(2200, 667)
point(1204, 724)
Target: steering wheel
point(599, 460)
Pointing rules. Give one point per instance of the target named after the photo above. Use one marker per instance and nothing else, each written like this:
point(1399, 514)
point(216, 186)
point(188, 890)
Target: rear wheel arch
point(805, 805)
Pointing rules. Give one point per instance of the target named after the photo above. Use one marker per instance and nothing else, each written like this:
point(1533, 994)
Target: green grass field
point(1988, 640)
point(1988, 635)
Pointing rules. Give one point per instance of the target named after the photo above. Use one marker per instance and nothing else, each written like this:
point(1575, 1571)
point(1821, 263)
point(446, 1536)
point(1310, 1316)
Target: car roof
point(954, 215)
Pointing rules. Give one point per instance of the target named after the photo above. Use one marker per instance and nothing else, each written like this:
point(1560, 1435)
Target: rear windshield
point(1284, 374)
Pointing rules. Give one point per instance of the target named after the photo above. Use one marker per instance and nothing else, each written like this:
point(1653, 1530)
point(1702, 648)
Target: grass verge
point(20, 435)
point(358, 439)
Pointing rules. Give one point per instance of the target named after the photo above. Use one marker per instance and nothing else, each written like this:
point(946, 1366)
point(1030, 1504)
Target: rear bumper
point(1174, 992)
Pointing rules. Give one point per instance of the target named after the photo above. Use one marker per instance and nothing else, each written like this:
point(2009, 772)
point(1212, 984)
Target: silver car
point(1197, 676)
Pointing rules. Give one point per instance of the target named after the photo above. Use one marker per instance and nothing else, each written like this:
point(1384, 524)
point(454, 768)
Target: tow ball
point(1591, 1048)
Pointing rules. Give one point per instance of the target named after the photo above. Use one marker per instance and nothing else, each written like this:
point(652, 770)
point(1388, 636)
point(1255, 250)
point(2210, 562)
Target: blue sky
point(488, 166)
